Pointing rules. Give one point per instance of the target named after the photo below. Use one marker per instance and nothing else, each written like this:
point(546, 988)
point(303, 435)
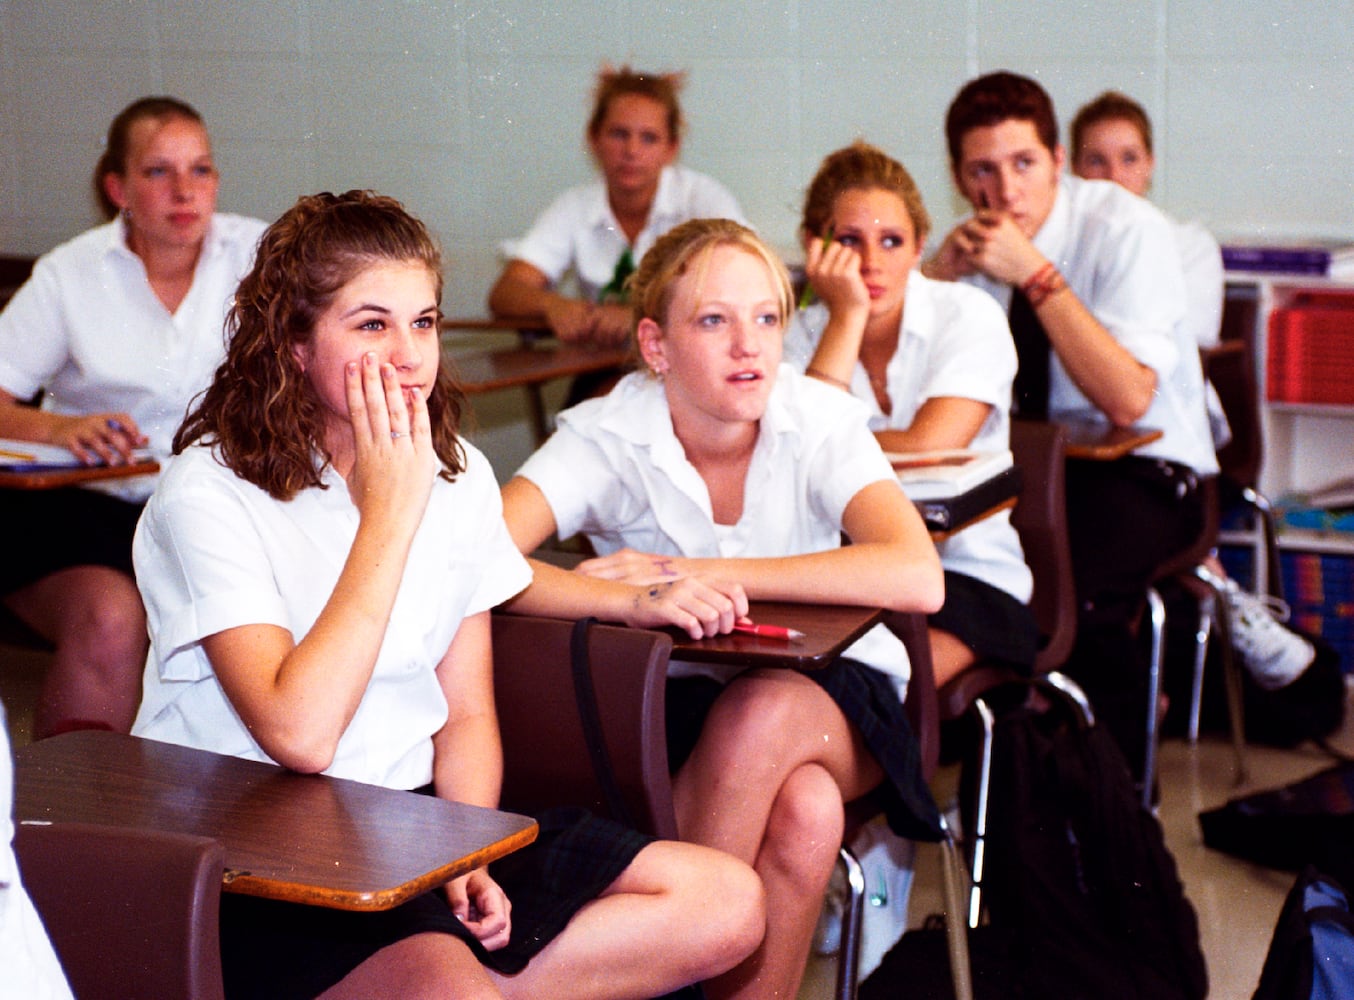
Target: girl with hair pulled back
point(599, 231)
point(717, 476)
point(318, 567)
point(114, 334)
point(934, 363)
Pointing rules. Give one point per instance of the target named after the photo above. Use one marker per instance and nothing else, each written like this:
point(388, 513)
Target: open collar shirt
point(615, 471)
point(89, 330)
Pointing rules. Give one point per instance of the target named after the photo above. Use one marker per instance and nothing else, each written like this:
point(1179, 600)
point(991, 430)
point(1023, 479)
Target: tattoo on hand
point(664, 566)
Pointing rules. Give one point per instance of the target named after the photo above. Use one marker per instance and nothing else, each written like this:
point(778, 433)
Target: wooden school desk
point(533, 360)
point(304, 838)
point(828, 629)
point(1103, 442)
point(50, 479)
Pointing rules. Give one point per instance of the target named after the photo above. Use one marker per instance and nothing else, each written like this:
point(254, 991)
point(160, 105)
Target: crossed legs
point(766, 783)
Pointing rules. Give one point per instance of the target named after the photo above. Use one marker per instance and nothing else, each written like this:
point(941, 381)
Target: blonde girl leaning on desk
point(934, 363)
point(318, 566)
point(718, 475)
point(600, 230)
point(118, 329)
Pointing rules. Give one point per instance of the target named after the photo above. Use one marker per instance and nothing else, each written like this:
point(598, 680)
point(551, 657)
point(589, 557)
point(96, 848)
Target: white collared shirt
point(953, 341)
point(579, 231)
point(615, 471)
point(30, 967)
point(1119, 257)
point(88, 329)
point(214, 552)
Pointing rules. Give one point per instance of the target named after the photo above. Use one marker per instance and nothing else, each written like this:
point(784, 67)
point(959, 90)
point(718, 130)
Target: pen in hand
point(806, 295)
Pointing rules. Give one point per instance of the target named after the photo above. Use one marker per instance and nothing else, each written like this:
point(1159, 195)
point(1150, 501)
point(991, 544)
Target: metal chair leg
point(979, 840)
point(853, 920)
point(1208, 608)
point(1157, 609)
point(956, 932)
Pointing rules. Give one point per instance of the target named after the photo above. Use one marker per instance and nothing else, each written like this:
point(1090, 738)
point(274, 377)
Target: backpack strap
point(585, 695)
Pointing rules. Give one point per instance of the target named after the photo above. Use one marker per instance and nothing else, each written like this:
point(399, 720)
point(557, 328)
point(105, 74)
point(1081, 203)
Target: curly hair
point(260, 415)
point(118, 143)
point(683, 247)
point(659, 87)
point(1111, 106)
point(861, 167)
point(994, 98)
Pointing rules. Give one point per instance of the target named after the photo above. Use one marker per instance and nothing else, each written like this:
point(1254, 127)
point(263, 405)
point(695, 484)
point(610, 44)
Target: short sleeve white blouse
point(213, 552)
point(88, 329)
point(615, 471)
point(579, 232)
point(953, 341)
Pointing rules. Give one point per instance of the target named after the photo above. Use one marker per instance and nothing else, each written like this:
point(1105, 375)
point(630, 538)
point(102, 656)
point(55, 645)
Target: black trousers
point(1125, 520)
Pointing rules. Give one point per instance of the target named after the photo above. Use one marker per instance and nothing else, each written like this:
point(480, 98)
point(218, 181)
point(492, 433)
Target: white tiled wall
point(472, 112)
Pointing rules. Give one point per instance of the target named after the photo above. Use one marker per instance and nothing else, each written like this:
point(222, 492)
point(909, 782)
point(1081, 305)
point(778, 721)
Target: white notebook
point(937, 475)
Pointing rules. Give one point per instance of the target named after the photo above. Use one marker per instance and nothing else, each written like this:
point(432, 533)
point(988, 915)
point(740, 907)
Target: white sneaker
point(1274, 655)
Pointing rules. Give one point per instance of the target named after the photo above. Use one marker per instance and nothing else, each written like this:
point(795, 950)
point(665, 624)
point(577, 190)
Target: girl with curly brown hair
point(318, 569)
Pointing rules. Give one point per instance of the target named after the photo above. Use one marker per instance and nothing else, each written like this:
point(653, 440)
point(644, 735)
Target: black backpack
point(1078, 871)
point(1083, 897)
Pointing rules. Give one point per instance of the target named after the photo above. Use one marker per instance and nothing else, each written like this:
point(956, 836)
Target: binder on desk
point(952, 513)
point(951, 488)
point(931, 475)
point(30, 456)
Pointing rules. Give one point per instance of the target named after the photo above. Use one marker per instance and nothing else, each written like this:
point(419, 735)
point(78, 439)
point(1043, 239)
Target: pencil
point(808, 289)
point(22, 456)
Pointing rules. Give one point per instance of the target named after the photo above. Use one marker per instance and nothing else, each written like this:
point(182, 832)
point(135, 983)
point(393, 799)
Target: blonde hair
point(685, 248)
point(861, 167)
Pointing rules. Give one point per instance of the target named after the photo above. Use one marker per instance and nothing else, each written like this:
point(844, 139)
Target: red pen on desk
point(769, 631)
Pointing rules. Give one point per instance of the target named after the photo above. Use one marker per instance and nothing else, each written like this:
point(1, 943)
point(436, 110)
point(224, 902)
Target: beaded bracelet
point(1044, 282)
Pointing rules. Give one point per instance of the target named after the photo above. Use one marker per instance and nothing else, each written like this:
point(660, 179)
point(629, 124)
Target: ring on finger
point(396, 435)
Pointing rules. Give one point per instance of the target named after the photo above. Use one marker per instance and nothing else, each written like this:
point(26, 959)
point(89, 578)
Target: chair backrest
point(131, 912)
point(1040, 517)
point(545, 748)
point(1231, 368)
point(921, 706)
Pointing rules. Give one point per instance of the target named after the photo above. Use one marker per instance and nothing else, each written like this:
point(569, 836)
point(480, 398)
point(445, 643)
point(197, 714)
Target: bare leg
point(677, 915)
point(93, 615)
point(949, 656)
point(428, 965)
point(803, 836)
point(754, 787)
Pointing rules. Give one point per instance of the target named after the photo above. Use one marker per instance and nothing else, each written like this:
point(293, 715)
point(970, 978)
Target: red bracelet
point(1044, 282)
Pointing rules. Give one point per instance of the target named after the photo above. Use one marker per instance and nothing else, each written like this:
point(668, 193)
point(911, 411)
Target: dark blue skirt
point(870, 702)
point(291, 951)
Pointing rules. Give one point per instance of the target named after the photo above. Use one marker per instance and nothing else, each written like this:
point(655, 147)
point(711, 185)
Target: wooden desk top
point(528, 364)
point(299, 837)
point(1103, 442)
point(828, 630)
point(526, 328)
point(51, 479)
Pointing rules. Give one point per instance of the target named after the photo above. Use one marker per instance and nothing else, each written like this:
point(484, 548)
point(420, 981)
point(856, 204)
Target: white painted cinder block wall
point(472, 113)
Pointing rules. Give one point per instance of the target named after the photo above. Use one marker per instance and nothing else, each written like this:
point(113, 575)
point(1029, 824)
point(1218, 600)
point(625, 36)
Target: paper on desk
point(30, 456)
point(935, 475)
